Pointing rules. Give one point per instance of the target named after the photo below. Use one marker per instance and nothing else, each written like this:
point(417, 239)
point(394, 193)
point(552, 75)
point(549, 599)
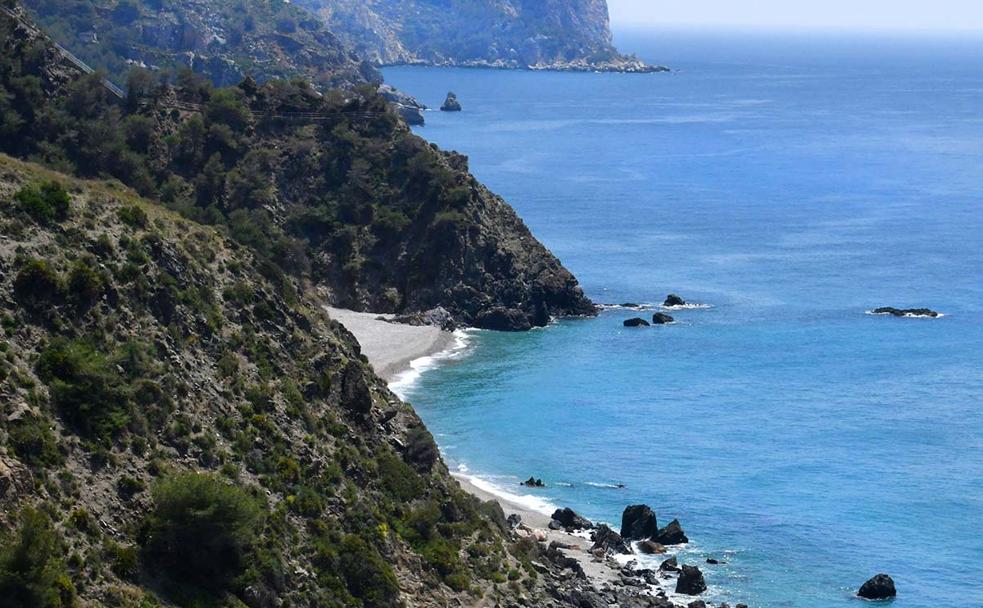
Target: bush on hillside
point(31, 573)
point(201, 528)
point(46, 204)
point(37, 284)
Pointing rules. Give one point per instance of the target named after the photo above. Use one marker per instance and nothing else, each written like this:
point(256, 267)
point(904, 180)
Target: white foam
point(528, 501)
point(405, 381)
point(687, 307)
point(906, 316)
point(605, 486)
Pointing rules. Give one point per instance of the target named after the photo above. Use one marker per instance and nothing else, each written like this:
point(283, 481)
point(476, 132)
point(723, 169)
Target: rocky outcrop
point(636, 322)
point(881, 587)
point(661, 318)
point(451, 104)
point(906, 312)
point(524, 34)
point(638, 522)
point(672, 534)
point(571, 520)
point(607, 540)
point(406, 106)
point(673, 300)
point(690, 581)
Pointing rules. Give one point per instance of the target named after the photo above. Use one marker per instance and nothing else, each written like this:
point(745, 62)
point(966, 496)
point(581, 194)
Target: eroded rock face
point(638, 522)
point(881, 587)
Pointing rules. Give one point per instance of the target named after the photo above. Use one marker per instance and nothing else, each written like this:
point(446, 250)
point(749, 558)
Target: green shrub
point(201, 528)
point(85, 285)
point(399, 480)
point(366, 573)
point(31, 573)
point(37, 284)
point(134, 217)
point(128, 487)
point(46, 204)
point(85, 387)
point(33, 442)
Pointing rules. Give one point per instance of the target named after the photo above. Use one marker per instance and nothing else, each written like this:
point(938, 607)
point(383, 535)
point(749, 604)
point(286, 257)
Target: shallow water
point(793, 183)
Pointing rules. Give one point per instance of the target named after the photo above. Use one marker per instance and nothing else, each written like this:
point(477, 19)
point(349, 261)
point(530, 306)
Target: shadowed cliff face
point(572, 34)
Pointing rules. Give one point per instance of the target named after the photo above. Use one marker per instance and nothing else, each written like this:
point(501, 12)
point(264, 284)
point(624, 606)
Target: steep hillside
point(536, 34)
point(222, 40)
point(334, 189)
point(175, 431)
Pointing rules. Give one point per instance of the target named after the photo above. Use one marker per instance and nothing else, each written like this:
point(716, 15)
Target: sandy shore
point(391, 347)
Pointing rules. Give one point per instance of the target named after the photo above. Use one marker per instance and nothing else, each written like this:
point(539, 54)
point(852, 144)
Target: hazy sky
point(879, 14)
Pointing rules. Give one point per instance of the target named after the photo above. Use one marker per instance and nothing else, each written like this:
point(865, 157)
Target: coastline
point(393, 348)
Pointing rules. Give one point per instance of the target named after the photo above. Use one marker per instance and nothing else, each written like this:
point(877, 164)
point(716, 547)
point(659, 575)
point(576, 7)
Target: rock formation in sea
point(525, 34)
point(451, 104)
point(690, 581)
point(661, 318)
point(906, 312)
point(674, 300)
point(672, 534)
point(880, 587)
point(636, 322)
point(638, 522)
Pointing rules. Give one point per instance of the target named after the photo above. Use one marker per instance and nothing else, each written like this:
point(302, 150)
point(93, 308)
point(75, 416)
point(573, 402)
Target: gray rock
point(451, 104)
point(638, 522)
point(661, 318)
point(609, 541)
point(570, 520)
point(636, 323)
point(674, 300)
point(671, 535)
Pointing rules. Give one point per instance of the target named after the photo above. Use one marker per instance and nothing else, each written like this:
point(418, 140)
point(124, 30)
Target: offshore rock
point(451, 104)
point(674, 300)
point(881, 587)
point(661, 318)
point(672, 534)
point(636, 323)
point(906, 312)
point(638, 522)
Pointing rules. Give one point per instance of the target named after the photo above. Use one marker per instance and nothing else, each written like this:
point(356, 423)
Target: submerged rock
point(690, 581)
point(451, 104)
point(669, 565)
point(532, 482)
point(638, 522)
point(637, 323)
point(674, 300)
point(650, 547)
point(906, 312)
point(881, 587)
point(672, 534)
point(609, 541)
point(569, 519)
point(661, 318)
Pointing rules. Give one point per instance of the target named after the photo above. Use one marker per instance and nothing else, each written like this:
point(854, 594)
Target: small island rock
point(661, 318)
point(906, 312)
point(638, 522)
point(881, 587)
point(637, 323)
point(532, 482)
point(451, 104)
point(674, 300)
point(690, 581)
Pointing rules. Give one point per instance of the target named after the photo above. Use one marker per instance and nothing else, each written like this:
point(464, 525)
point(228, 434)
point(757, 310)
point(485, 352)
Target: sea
point(786, 183)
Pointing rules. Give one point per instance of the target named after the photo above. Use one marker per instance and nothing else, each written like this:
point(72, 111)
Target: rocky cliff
point(334, 189)
point(225, 41)
point(531, 34)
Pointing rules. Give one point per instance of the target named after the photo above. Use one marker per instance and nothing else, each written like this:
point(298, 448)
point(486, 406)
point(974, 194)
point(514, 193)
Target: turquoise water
point(792, 183)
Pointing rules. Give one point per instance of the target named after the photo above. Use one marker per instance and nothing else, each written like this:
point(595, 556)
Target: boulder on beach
point(636, 323)
point(532, 482)
point(514, 520)
point(697, 604)
point(571, 520)
point(638, 522)
point(674, 300)
point(881, 587)
point(906, 312)
point(661, 318)
point(671, 535)
point(650, 547)
point(690, 581)
point(451, 104)
point(609, 541)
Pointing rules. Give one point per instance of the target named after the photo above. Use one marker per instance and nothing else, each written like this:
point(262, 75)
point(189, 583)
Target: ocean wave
point(405, 381)
point(605, 486)
point(687, 307)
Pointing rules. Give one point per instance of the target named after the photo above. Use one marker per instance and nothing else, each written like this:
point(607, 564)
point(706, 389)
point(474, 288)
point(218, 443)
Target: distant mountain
point(529, 34)
point(222, 40)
